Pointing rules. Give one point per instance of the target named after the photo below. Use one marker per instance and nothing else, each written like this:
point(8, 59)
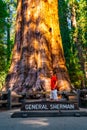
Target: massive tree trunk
point(38, 47)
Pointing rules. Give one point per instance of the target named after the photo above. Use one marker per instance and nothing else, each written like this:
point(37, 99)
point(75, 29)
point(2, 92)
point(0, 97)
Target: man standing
point(54, 80)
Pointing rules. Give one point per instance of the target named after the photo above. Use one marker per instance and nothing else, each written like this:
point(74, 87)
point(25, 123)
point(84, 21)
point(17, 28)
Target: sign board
point(30, 106)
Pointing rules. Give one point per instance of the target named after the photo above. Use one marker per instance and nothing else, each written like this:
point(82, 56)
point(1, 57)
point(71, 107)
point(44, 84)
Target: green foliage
point(81, 32)
point(2, 64)
point(82, 23)
point(7, 24)
point(63, 14)
point(2, 78)
point(3, 16)
point(75, 71)
point(69, 34)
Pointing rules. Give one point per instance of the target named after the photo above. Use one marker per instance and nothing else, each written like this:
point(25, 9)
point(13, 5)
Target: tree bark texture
point(38, 47)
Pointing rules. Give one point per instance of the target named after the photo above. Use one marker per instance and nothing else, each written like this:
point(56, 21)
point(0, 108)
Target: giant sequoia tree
point(38, 47)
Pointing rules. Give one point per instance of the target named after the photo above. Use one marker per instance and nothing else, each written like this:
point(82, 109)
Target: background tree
point(64, 15)
point(7, 18)
point(68, 12)
point(3, 25)
point(78, 49)
point(10, 30)
point(82, 36)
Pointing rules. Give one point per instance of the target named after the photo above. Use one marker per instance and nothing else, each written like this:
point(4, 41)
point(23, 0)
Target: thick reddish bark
point(38, 47)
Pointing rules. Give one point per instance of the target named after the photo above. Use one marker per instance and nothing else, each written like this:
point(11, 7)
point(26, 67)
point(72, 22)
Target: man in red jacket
point(54, 80)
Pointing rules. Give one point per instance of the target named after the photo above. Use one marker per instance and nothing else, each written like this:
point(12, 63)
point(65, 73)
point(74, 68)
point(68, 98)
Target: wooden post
point(9, 99)
point(78, 94)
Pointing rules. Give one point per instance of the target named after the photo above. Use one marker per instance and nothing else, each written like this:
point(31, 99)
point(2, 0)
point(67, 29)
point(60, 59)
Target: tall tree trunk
point(76, 38)
point(38, 47)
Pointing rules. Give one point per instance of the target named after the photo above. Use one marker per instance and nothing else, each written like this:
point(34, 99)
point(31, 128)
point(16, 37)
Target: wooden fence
point(6, 97)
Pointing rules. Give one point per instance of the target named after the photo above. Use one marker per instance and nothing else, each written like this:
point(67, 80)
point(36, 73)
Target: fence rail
point(6, 97)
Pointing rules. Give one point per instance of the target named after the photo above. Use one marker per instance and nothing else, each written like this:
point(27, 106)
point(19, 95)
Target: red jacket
point(53, 82)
